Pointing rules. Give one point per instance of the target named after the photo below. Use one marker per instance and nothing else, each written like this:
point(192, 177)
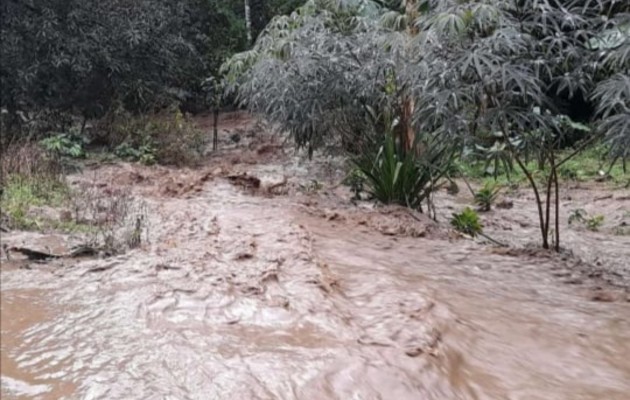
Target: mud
point(248, 293)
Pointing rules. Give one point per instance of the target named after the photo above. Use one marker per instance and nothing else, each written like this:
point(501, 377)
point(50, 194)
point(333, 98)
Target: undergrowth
point(169, 137)
point(20, 193)
point(36, 196)
point(592, 164)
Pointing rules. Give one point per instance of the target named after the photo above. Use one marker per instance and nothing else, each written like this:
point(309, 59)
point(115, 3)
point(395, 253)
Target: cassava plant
point(512, 67)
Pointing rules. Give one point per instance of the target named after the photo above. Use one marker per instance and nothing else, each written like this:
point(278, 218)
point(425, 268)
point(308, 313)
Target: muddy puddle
point(243, 295)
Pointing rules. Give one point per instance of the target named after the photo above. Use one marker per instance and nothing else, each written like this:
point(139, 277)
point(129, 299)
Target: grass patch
point(592, 164)
point(20, 193)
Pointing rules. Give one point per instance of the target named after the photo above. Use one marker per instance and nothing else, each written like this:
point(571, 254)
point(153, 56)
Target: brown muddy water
point(245, 296)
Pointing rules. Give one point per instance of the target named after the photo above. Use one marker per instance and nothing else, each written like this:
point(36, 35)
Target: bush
point(467, 222)
point(20, 193)
point(115, 219)
point(28, 177)
point(27, 160)
point(168, 138)
point(486, 196)
point(581, 217)
point(64, 145)
point(393, 176)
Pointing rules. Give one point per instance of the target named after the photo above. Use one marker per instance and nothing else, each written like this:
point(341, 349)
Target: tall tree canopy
point(511, 66)
point(85, 56)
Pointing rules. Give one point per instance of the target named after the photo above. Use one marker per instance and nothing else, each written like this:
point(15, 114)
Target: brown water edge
point(20, 312)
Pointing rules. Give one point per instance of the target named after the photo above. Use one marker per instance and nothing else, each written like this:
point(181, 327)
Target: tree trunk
point(258, 17)
point(408, 135)
point(248, 23)
point(407, 132)
point(215, 126)
point(411, 11)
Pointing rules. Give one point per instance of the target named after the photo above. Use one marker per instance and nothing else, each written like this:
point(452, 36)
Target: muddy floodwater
point(246, 295)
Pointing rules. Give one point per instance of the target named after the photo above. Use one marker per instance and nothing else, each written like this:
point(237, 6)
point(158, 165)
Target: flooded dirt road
point(243, 295)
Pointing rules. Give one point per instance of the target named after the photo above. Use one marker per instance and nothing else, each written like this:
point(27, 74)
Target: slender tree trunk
point(215, 129)
point(248, 22)
point(555, 179)
point(411, 11)
point(532, 182)
point(258, 12)
point(83, 126)
point(548, 200)
point(408, 134)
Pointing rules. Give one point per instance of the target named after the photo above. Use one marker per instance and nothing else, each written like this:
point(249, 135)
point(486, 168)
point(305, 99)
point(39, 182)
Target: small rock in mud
point(333, 216)
point(217, 171)
point(244, 180)
point(243, 256)
point(414, 352)
point(603, 296)
point(279, 301)
point(505, 204)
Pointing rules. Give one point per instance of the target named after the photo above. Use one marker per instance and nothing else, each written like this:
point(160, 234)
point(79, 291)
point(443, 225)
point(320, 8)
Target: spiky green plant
point(467, 222)
point(395, 177)
point(486, 196)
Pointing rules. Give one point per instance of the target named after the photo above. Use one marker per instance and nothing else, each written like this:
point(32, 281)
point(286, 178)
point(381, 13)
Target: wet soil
point(287, 290)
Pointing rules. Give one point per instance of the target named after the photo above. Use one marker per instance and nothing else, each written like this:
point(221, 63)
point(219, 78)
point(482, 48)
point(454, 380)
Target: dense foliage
point(472, 66)
point(87, 57)
point(510, 80)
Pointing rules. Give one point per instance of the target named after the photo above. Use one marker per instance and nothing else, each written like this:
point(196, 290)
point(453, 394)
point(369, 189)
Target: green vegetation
point(393, 176)
point(467, 222)
point(592, 223)
point(592, 164)
point(169, 138)
point(486, 196)
point(64, 145)
point(34, 195)
point(355, 180)
point(509, 82)
point(22, 193)
point(67, 62)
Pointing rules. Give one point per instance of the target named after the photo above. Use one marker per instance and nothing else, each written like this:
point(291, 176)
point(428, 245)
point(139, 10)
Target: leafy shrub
point(497, 156)
point(577, 215)
point(486, 196)
point(393, 176)
point(595, 222)
point(355, 181)
point(144, 154)
point(591, 223)
point(63, 144)
point(168, 138)
point(467, 222)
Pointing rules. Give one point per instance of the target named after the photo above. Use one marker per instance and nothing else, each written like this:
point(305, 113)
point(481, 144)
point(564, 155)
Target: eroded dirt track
point(245, 295)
